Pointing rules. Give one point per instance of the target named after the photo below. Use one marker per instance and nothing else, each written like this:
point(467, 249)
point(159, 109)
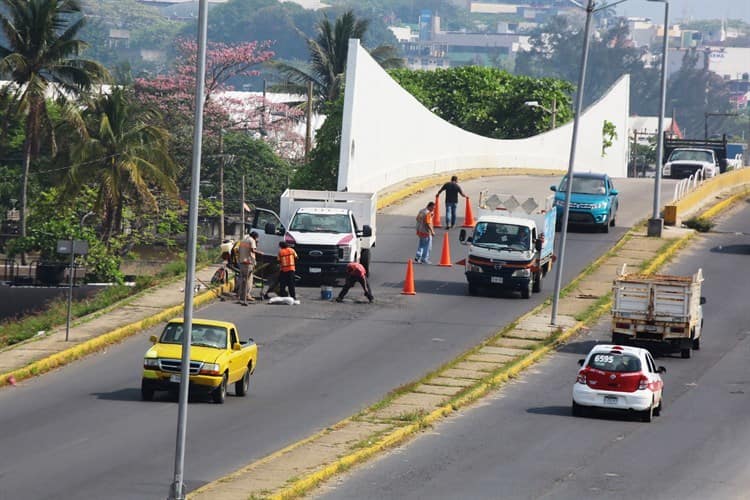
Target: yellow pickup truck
point(217, 358)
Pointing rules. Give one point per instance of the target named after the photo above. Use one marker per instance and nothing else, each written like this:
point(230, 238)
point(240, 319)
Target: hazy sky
point(683, 9)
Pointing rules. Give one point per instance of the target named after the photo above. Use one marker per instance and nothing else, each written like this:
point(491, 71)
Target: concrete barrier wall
point(733, 180)
point(388, 136)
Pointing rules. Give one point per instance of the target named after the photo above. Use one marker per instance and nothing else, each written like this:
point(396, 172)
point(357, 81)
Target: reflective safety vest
point(287, 258)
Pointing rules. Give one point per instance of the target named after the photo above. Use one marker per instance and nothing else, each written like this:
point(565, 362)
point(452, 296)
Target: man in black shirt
point(452, 190)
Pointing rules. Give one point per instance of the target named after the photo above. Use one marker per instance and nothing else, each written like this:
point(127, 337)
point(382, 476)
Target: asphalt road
point(82, 432)
point(523, 443)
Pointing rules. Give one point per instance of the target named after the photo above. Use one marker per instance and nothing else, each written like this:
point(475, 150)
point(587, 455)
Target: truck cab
point(683, 162)
point(510, 248)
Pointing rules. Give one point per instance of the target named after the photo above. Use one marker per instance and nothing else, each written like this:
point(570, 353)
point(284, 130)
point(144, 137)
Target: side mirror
point(236, 346)
point(366, 231)
point(703, 300)
point(580, 362)
point(613, 192)
point(270, 228)
point(538, 244)
point(462, 235)
point(153, 339)
point(553, 188)
point(661, 369)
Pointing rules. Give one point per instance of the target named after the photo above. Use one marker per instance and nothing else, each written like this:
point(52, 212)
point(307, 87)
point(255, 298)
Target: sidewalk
point(300, 467)
point(49, 349)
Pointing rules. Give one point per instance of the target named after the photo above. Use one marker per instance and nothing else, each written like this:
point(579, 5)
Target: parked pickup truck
point(512, 245)
point(327, 229)
point(662, 310)
point(217, 358)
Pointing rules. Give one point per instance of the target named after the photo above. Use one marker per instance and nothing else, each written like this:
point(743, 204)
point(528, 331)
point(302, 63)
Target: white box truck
point(664, 311)
point(512, 244)
point(328, 230)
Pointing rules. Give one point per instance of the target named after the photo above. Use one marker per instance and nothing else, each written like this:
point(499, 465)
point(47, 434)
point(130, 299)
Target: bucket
point(326, 292)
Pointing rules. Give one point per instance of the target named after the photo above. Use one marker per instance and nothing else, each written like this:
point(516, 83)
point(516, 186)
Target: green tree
point(40, 50)
point(123, 154)
point(328, 55)
point(321, 172)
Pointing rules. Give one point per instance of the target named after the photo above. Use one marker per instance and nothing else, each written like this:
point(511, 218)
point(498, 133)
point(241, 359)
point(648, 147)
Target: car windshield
point(615, 362)
point(502, 236)
point(321, 223)
point(202, 335)
point(687, 155)
point(585, 185)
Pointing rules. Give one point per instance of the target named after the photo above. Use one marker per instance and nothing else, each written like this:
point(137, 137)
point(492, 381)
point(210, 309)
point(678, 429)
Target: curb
point(389, 198)
point(474, 393)
point(97, 343)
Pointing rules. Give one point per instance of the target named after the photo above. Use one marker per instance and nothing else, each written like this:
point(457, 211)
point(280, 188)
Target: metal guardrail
point(686, 185)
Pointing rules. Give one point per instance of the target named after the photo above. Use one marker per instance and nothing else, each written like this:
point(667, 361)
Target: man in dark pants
point(355, 273)
point(452, 190)
point(287, 268)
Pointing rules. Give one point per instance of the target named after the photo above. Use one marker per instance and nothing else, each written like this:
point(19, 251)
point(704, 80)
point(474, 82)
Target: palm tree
point(328, 54)
point(122, 153)
point(41, 50)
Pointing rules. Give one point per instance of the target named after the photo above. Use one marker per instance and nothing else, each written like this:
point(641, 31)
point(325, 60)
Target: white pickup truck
point(684, 162)
point(328, 230)
point(512, 245)
point(662, 310)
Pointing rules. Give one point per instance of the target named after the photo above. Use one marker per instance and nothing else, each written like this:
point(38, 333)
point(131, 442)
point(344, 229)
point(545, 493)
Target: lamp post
point(590, 9)
point(177, 488)
point(553, 111)
point(656, 223)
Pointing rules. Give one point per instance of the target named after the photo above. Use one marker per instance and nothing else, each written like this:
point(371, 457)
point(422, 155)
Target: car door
point(235, 359)
point(268, 243)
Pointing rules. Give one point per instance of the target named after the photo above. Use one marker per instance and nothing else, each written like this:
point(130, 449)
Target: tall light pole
point(177, 489)
point(590, 9)
point(553, 111)
point(656, 223)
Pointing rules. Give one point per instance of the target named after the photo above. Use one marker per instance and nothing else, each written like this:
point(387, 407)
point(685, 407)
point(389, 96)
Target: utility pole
point(308, 126)
point(221, 184)
point(554, 111)
point(242, 210)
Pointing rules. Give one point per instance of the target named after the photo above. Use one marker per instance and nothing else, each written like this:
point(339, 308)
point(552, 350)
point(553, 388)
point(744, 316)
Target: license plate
point(496, 279)
point(610, 400)
point(174, 378)
point(315, 270)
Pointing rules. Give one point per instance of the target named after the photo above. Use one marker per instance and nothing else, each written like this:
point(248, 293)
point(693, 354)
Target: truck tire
point(242, 385)
point(147, 392)
point(613, 221)
point(526, 292)
point(473, 288)
point(605, 227)
point(537, 282)
point(219, 395)
point(697, 344)
point(364, 259)
point(685, 353)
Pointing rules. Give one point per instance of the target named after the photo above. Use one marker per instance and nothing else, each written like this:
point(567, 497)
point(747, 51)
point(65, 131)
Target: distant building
point(432, 48)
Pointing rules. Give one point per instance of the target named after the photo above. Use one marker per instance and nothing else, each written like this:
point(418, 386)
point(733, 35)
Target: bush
point(700, 224)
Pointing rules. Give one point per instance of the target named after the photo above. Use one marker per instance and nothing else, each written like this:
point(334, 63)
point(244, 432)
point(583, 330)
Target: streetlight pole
point(221, 184)
point(177, 489)
point(590, 9)
point(571, 160)
point(656, 223)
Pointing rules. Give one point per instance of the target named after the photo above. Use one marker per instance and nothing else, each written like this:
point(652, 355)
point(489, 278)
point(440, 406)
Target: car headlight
point(559, 203)
point(475, 268)
point(151, 363)
point(522, 273)
point(210, 369)
point(601, 204)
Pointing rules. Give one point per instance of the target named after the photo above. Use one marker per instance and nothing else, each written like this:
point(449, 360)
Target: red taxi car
point(617, 377)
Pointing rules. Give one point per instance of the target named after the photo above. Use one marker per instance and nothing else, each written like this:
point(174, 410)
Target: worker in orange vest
point(287, 261)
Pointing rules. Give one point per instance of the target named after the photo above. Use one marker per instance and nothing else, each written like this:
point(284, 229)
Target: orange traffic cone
point(445, 258)
point(469, 217)
point(409, 280)
point(436, 212)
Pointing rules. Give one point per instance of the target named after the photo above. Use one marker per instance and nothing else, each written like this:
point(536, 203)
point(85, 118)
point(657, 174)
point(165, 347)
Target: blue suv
point(593, 201)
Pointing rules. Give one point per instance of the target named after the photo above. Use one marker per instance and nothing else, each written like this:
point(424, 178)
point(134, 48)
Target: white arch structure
point(388, 136)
